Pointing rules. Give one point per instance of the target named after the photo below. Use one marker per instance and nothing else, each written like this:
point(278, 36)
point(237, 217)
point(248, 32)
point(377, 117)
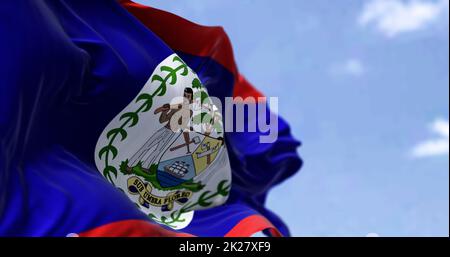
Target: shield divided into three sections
point(189, 155)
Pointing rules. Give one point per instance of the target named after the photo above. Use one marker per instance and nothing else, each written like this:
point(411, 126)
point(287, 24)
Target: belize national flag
point(109, 126)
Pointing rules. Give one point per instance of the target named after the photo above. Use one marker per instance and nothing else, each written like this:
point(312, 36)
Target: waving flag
point(94, 140)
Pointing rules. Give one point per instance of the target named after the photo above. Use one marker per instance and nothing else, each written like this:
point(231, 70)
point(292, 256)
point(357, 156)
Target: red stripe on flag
point(251, 225)
point(191, 38)
point(131, 228)
point(243, 88)
point(186, 36)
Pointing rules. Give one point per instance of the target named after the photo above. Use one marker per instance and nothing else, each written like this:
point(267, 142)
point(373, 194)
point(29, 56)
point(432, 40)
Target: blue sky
point(365, 87)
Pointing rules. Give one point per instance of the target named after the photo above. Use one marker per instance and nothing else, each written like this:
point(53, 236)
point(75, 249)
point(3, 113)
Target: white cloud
point(392, 17)
point(437, 146)
point(352, 67)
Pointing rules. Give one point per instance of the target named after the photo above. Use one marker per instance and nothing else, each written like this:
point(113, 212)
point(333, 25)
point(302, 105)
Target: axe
point(195, 140)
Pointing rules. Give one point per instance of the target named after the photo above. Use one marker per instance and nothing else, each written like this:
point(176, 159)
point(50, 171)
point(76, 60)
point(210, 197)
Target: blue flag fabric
point(67, 70)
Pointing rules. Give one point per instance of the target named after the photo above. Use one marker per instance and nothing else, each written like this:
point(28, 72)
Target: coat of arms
point(166, 149)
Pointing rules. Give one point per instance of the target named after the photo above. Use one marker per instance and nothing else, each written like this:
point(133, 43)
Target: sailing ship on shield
point(178, 164)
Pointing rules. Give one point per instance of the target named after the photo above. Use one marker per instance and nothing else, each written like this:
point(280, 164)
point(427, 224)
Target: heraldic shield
point(187, 157)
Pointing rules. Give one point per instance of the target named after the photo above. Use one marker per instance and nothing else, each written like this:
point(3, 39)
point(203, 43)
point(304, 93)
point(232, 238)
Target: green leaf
point(196, 84)
point(202, 200)
point(176, 217)
point(131, 116)
point(153, 169)
point(172, 74)
point(108, 176)
point(116, 131)
point(222, 189)
point(186, 208)
point(161, 90)
point(203, 118)
point(203, 97)
point(123, 167)
point(178, 59)
point(194, 187)
point(182, 66)
point(107, 149)
point(206, 118)
point(157, 77)
point(185, 70)
point(148, 101)
point(107, 173)
point(197, 119)
point(110, 169)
